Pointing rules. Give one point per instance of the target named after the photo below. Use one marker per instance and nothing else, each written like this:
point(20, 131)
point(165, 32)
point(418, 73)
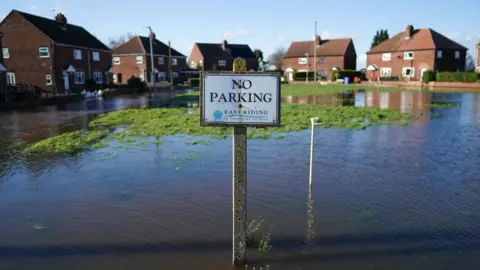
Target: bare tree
point(470, 63)
point(115, 42)
point(276, 58)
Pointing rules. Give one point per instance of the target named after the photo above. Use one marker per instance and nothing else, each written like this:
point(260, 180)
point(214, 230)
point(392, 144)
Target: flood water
point(388, 197)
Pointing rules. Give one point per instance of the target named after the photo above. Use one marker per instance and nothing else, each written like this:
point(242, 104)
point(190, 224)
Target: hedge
point(341, 74)
point(457, 77)
point(428, 76)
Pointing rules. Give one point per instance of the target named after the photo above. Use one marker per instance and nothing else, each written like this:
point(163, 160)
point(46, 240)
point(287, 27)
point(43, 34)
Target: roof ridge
point(44, 18)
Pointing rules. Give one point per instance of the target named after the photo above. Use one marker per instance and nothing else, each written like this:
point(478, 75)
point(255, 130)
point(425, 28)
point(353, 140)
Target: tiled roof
point(215, 50)
point(328, 47)
point(158, 47)
point(67, 34)
point(421, 39)
point(141, 45)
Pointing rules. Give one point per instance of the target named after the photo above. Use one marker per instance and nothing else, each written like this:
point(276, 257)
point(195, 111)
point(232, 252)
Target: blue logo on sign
point(217, 115)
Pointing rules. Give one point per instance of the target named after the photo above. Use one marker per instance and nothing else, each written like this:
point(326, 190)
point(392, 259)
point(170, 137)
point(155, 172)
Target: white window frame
point(79, 77)
point(439, 54)
point(406, 56)
point(404, 72)
point(6, 53)
point(302, 61)
point(96, 56)
point(11, 78)
point(48, 79)
point(43, 50)
point(457, 54)
point(77, 54)
point(201, 62)
point(161, 60)
point(174, 61)
point(193, 64)
point(98, 77)
point(139, 59)
point(385, 71)
point(116, 60)
point(222, 63)
point(386, 57)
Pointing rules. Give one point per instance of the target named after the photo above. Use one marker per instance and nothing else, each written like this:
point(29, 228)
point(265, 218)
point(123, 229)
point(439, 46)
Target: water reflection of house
point(406, 102)
point(338, 99)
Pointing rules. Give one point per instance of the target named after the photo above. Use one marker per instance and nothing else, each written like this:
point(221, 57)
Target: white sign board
point(230, 99)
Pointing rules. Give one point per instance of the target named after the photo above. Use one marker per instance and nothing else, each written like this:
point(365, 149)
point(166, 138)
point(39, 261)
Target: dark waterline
point(388, 197)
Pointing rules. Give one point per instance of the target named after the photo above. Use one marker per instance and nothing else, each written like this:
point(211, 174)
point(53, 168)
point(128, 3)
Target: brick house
point(413, 51)
point(220, 56)
point(3, 78)
point(133, 58)
point(52, 55)
point(332, 54)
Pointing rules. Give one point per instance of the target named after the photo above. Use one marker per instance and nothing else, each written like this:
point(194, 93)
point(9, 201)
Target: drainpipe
point(53, 69)
point(89, 67)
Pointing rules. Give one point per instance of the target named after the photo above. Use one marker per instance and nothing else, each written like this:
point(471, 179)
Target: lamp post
point(152, 74)
point(306, 77)
point(315, 55)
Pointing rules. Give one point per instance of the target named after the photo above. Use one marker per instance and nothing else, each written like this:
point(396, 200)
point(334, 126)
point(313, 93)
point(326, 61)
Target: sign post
point(240, 100)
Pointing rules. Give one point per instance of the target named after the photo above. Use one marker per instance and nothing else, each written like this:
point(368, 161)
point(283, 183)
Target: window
point(457, 54)
point(10, 78)
point(322, 60)
point(6, 53)
point(43, 52)
point(161, 60)
point(386, 57)
point(77, 54)
point(408, 55)
point(96, 56)
point(222, 63)
point(116, 60)
point(161, 76)
point(97, 77)
point(48, 79)
point(174, 61)
point(302, 61)
point(386, 72)
point(201, 62)
point(193, 64)
point(79, 78)
point(175, 74)
point(408, 72)
point(439, 54)
point(139, 59)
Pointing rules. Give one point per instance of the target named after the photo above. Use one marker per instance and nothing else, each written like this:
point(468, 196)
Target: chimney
point(224, 44)
point(61, 19)
point(318, 40)
point(409, 31)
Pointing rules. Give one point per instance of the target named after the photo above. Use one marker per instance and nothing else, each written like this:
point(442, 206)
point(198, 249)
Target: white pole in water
point(313, 120)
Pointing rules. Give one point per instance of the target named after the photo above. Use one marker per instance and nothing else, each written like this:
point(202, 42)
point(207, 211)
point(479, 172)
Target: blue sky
point(263, 24)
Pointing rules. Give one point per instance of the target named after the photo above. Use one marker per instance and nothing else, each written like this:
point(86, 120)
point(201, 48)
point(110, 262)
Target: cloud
point(227, 34)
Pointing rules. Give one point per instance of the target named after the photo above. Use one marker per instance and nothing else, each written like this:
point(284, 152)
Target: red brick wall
point(23, 40)
point(425, 59)
point(195, 56)
point(329, 63)
point(64, 56)
point(128, 67)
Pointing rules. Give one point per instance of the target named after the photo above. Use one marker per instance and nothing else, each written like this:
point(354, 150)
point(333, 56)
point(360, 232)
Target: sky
point(263, 24)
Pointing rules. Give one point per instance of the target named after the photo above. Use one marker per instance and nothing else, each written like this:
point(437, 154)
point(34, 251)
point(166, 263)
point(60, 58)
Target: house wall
point(128, 67)
point(64, 56)
point(23, 40)
point(208, 63)
point(425, 59)
point(195, 57)
point(327, 65)
point(3, 78)
point(181, 64)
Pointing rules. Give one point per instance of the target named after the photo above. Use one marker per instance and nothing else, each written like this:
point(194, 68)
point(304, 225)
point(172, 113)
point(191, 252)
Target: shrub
point(194, 82)
point(457, 77)
point(135, 82)
point(90, 84)
point(302, 75)
point(428, 76)
point(341, 74)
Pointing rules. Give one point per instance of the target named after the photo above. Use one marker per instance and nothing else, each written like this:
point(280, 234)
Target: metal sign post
point(240, 100)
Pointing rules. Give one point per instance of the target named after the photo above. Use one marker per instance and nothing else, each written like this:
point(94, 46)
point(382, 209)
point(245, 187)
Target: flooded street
point(388, 197)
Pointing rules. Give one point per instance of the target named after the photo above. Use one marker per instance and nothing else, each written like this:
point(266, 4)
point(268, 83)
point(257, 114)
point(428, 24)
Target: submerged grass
point(301, 90)
point(173, 121)
point(256, 238)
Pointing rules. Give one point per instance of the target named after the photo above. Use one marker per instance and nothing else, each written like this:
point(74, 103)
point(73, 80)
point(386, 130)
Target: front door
point(66, 81)
point(11, 78)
